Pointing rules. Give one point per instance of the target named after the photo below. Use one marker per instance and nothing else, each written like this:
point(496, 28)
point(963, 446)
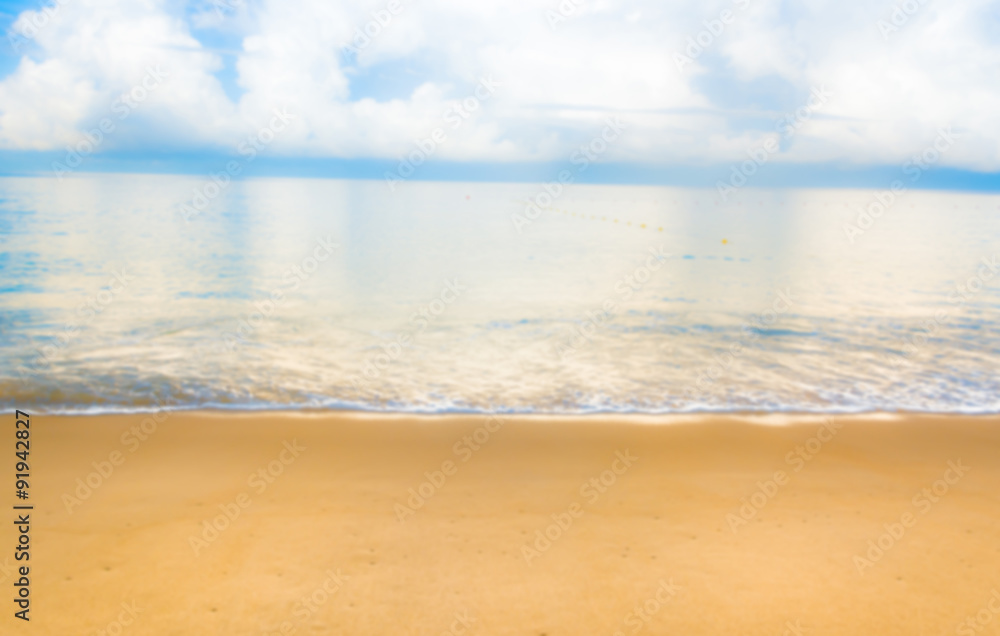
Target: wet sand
point(277, 523)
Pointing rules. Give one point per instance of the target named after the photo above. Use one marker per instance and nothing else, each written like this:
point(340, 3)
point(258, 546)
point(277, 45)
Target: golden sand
point(236, 523)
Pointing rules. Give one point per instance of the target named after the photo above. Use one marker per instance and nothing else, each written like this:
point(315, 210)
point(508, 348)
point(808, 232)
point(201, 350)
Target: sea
point(132, 293)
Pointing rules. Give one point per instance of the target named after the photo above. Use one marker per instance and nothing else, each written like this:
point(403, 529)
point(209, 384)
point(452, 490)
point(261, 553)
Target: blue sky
point(847, 91)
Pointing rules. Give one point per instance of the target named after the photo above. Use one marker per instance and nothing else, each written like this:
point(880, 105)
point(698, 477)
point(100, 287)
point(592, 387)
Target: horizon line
point(766, 175)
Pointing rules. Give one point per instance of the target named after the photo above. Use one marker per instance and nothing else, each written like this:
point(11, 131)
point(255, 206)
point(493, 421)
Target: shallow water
point(429, 298)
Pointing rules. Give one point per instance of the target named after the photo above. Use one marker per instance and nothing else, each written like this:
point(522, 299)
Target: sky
point(857, 87)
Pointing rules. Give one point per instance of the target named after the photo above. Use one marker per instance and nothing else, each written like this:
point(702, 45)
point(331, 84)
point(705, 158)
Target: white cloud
point(891, 94)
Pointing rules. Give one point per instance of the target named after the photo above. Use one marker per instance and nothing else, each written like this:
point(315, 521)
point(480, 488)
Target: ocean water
point(124, 293)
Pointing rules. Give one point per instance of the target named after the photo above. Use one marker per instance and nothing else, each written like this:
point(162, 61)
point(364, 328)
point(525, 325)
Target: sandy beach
point(333, 523)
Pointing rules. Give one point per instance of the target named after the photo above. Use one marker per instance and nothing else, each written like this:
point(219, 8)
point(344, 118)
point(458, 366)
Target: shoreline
point(596, 415)
point(366, 523)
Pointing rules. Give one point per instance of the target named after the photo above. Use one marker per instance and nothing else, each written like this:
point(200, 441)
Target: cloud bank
point(693, 82)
